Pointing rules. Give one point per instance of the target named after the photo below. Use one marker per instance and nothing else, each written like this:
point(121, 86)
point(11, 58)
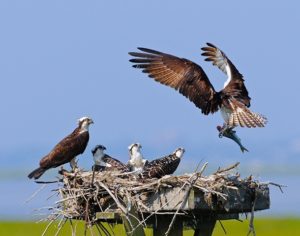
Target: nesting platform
point(166, 204)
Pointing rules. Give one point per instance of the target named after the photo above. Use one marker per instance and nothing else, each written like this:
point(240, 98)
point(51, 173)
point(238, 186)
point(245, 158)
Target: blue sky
point(61, 60)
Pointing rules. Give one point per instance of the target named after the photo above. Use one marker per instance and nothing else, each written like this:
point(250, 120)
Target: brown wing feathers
point(191, 81)
point(236, 87)
point(159, 167)
point(115, 164)
point(219, 59)
point(68, 148)
point(181, 74)
point(235, 91)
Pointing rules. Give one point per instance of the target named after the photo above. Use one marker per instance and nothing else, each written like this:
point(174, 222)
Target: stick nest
point(84, 194)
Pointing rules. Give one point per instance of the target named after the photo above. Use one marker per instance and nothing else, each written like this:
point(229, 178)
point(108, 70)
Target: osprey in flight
point(162, 166)
point(105, 162)
point(191, 81)
point(66, 150)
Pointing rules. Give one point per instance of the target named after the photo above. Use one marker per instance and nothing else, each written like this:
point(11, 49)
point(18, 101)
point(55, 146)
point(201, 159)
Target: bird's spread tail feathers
point(242, 116)
point(37, 173)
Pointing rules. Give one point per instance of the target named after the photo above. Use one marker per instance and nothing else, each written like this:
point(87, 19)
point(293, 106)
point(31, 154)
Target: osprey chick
point(136, 161)
point(104, 162)
point(166, 165)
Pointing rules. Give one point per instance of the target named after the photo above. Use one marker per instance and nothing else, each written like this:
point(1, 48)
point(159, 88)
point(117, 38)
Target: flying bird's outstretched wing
point(181, 74)
point(234, 95)
point(235, 87)
point(192, 82)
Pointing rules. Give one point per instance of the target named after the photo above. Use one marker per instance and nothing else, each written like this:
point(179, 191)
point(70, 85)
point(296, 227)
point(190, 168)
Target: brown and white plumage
point(163, 166)
point(191, 81)
point(136, 160)
point(66, 150)
point(104, 162)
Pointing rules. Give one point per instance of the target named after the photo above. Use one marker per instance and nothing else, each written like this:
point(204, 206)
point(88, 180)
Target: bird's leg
point(93, 176)
point(222, 130)
point(73, 164)
point(225, 129)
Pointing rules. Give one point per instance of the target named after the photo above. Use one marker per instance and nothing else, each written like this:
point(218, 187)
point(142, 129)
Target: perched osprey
point(105, 162)
point(136, 161)
point(192, 82)
point(162, 166)
point(66, 150)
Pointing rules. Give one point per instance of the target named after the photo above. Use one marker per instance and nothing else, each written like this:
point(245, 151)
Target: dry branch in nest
point(83, 195)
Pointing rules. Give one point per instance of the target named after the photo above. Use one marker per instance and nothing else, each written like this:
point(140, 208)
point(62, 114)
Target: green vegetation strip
point(263, 226)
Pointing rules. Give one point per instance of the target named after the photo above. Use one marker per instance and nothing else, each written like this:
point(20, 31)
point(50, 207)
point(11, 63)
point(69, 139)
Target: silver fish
point(230, 133)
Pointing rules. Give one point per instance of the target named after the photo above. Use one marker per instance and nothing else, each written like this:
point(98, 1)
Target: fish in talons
point(228, 132)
